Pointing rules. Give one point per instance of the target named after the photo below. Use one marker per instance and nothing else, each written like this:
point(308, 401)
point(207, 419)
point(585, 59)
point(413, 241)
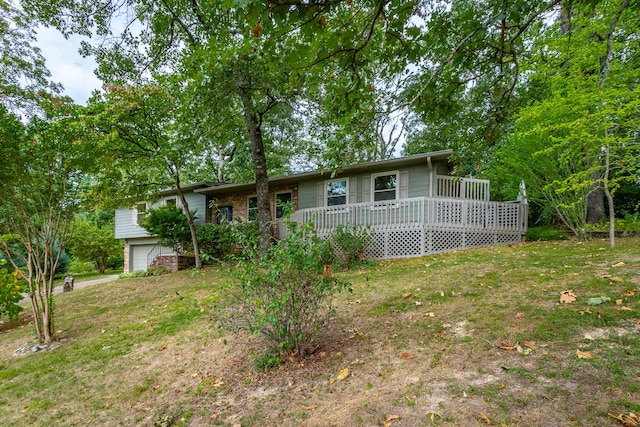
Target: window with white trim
point(385, 186)
point(337, 192)
point(252, 208)
point(171, 202)
point(282, 199)
point(140, 212)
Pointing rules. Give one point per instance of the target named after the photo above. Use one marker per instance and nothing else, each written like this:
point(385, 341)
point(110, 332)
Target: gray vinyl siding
point(308, 194)
point(198, 203)
point(125, 228)
point(124, 218)
point(419, 181)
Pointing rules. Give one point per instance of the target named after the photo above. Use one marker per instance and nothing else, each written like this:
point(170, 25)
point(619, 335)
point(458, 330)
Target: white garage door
point(139, 256)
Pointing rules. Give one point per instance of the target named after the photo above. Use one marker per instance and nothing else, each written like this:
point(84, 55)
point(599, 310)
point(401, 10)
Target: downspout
point(430, 167)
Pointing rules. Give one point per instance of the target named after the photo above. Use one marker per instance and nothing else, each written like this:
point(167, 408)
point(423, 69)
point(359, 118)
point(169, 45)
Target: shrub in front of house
point(351, 243)
point(170, 224)
point(285, 295)
point(219, 242)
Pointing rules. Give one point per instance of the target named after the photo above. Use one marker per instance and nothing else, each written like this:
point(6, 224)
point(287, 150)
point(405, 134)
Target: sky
point(67, 66)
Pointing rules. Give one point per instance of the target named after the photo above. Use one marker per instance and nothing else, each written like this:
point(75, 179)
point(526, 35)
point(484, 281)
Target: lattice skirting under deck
point(415, 242)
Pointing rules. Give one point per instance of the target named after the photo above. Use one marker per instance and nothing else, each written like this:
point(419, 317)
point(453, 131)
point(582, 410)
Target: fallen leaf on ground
point(584, 354)
point(623, 308)
point(389, 420)
point(406, 356)
point(617, 279)
point(433, 415)
point(406, 295)
point(311, 407)
point(567, 297)
point(504, 346)
point(619, 264)
point(530, 344)
point(520, 315)
point(629, 293)
point(631, 420)
point(618, 302)
point(484, 418)
point(598, 300)
point(343, 374)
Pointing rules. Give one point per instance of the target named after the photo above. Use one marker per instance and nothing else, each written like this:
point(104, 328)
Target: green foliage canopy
point(170, 224)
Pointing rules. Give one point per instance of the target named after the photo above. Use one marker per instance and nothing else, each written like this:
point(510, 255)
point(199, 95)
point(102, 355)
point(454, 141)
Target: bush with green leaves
point(170, 224)
point(12, 286)
point(95, 243)
point(285, 294)
point(216, 241)
point(352, 243)
point(81, 267)
point(157, 271)
point(545, 233)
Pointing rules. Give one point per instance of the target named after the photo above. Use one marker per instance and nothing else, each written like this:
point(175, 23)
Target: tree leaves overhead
point(22, 67)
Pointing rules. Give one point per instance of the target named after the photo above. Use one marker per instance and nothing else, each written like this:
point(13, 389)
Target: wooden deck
point(424, 225)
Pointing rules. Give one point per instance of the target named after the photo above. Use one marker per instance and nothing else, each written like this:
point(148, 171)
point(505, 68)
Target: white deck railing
point(463, 188)
point(420, 212)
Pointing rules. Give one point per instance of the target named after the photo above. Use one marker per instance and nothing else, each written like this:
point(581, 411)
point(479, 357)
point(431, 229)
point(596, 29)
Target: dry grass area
point(468, 338)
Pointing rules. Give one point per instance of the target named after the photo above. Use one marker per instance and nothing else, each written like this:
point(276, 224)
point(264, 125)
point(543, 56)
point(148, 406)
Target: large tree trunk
point(612, 213)
point(260, 162)
point(595, 202)
point(192, 225)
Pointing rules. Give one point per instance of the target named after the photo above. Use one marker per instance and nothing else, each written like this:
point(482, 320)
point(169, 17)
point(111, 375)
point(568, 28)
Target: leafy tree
point(469, 84)
point(253, 60)
point(94, 242)
point(22, 67)
point(586, 126)
point(43, 164)
point(141, 134)
point(170, 224)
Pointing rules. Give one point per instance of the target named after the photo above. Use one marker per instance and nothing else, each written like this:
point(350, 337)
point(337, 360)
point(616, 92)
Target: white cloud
point(67, 66)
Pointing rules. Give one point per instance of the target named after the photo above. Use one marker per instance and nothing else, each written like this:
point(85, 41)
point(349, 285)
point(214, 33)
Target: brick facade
point(126, 256)
point(174, 263)
point(240, 204)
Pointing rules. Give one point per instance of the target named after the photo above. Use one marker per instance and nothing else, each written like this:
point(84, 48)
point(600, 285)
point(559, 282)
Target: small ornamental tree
point(44, 162)
point(170, 224)
point(286, 295)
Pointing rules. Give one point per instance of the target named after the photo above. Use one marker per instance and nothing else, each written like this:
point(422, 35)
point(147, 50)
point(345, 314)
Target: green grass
point(420, 336)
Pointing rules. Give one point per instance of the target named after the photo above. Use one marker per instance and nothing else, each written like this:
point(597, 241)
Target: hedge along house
point(411, 204)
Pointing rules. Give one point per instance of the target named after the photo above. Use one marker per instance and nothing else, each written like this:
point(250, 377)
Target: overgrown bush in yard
point(11, 288)
point(352, 243)
point(286, 295)
point(218, 242)
point(170, 224)
point(225, 241)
